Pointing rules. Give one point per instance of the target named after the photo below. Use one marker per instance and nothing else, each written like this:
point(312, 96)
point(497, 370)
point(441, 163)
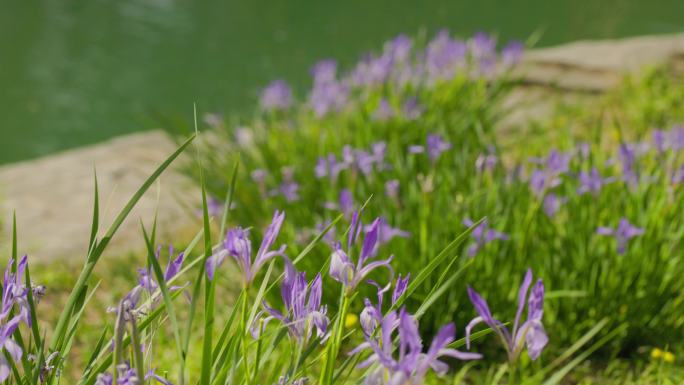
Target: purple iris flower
point(583, 149)
point(329, 97)
point(329, 166)
point(592, 182)
point(627, 157)
point(372, 71)
point(146, 276)
point(327, 94)
point(356, 159)
point(341, 267)
point(672, 139)
point(552, 203)
point(129, 376)
point(14, 291)
point(530, 333)
point(386, 232)
point(238, 245)
point(400, 287)
point(482, 235)
point(409, 364)
point(555, 163)
point(303, 309)
point(276, 96)
point(622, 234)
point(678, 175)
point(512, 53)
point(399, 48)
point(7, 343)
point(378, 152)
point(289, 189)
point(443, 56)
point(330, 237)
point(104, 379)
point(371, 316)
point(542, 180)
point(151, 375)
point(436, 146)
point(660, 140)
point(538, 182)
point(383, 112)
point(676, 138)
point(364, 161)
point(411, 109)
point(324, 71)
point(486, 162)
point(392, 188)
point(346, 201)
point(482, 48)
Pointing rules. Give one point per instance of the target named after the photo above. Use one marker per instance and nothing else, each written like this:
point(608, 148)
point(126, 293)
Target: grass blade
point(96, 252)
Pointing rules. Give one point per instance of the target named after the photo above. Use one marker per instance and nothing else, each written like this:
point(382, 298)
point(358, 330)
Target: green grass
point(587, 279)
point(611, 317)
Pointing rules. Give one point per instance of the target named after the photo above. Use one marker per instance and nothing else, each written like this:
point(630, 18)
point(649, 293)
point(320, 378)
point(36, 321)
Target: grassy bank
point(380, 230)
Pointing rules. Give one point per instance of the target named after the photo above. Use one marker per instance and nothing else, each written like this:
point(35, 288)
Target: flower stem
point(297, 358)
point(243, 328)
point(334, 342)
point(513, 374)
point(137, 350)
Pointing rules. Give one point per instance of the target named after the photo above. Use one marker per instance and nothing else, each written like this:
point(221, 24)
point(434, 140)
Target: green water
point(77, 72)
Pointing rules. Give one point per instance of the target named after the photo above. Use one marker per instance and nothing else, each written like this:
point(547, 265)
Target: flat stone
point(53, 197)
point(596, 66)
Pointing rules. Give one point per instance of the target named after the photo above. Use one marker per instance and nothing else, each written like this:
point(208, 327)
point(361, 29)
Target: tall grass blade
point(96, 252)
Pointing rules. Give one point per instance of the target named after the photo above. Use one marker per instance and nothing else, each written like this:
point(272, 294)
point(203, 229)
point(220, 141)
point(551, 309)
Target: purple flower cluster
point(276, 96)
point(399, 64)
point(444, 56)
point(129, 376)
point(148, 283)
point(592, 182)
point(303, 309)
point(358, 160)
point(482, 235)
point(482, 48)
point(672, 139)
point(548, 177)
point(289, 188)
point(328, 94)
point(405, 362)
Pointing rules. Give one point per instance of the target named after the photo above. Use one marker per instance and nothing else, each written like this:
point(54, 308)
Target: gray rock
point(53, 197)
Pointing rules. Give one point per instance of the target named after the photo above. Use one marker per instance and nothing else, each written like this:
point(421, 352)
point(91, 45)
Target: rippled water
point(77, 72)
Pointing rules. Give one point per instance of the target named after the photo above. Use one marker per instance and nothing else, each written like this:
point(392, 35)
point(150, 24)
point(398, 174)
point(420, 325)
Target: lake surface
point(78, 72)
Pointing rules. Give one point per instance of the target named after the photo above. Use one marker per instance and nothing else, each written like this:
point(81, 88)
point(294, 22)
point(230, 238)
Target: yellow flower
point(351, 320)
point(656, 353)
point(668, 357)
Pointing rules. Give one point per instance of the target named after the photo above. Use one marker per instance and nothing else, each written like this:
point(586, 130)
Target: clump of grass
point(431, 171)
